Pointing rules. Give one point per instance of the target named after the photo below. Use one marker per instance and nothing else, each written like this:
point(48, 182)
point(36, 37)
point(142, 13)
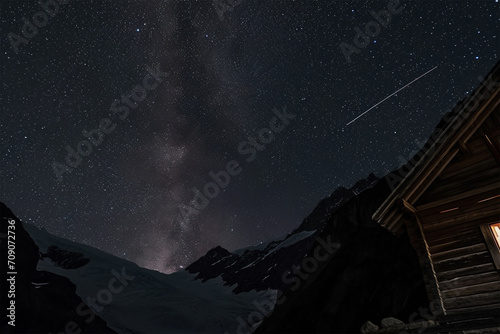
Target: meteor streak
point(429, 71)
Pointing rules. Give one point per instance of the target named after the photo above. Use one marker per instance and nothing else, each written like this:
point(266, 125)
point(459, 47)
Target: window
point(495, 229)
point(491, 234)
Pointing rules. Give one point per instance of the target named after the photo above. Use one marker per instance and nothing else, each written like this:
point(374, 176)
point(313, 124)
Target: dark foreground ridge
point(44, 302)
point(374, 275)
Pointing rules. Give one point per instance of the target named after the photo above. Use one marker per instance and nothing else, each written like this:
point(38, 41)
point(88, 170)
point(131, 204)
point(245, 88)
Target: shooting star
point(423, 75)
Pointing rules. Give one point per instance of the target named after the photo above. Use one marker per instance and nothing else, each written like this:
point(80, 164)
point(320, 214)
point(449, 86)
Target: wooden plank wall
point(422, 251)
point(451, 211)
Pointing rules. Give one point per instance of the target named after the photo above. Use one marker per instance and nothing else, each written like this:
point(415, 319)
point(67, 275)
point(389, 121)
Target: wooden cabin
point(449, 204)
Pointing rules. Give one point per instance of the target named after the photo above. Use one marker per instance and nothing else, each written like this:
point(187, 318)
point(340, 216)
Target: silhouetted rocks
point(44, 302)
point(65, 259)
point(256, 269)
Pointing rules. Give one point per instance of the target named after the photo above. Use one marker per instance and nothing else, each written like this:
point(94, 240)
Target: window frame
point(491, 243)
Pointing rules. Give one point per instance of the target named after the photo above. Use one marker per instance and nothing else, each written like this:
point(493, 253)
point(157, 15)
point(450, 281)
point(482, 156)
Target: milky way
point(226, 69)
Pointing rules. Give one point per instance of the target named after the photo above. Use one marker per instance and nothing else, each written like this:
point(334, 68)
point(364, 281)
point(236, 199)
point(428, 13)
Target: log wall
point(450, 212)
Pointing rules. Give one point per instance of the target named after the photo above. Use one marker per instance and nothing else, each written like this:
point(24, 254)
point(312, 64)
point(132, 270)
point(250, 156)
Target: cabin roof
point(455, 129)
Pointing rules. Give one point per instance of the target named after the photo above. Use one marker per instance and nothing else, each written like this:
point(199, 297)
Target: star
point(125, 195)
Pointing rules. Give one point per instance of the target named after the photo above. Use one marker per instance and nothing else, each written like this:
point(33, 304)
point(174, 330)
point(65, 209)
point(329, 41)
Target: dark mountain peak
point(217, 252)
point(213, 262)
point(340, 190)
point(262, 266)
point(5, 211)
point(327, 206)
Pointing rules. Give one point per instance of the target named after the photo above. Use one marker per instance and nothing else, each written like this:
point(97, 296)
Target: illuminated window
point(495, 229)
point(491, 233)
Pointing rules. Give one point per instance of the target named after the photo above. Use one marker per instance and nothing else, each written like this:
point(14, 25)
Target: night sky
point(217, 78)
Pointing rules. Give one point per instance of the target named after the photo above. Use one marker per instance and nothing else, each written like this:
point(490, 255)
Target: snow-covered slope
point(218, 294)
point(294, 238)
point(142, 300)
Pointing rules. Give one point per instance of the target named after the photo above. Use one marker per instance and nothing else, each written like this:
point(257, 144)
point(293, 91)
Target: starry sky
point(220, 71)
